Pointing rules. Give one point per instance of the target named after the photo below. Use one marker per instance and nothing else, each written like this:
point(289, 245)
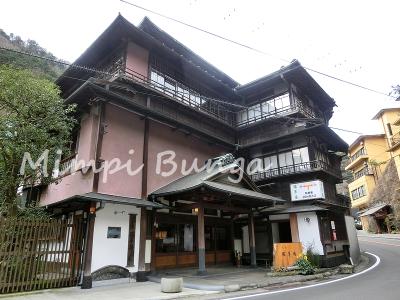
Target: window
point(358, 193)
point(270, 162)
point(165, 238)
point(114, 232)
point(389, 128)
point(185, 238)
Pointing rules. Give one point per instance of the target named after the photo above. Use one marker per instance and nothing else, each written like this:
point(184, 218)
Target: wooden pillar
point(141, 274)
point(153, 241)
point(87, 259)
point(201, 249)
point(294, 228)
point(252, 241)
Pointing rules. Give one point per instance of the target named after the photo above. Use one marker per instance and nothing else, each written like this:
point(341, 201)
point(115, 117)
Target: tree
point(396, 92)
point(33, 119)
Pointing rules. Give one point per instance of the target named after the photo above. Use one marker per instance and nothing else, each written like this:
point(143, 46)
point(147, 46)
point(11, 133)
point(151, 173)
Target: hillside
point(46, 68)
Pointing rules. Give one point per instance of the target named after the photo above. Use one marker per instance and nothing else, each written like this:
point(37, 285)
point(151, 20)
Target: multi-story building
point(369, 156)
point(149, 100)
point(367, 160)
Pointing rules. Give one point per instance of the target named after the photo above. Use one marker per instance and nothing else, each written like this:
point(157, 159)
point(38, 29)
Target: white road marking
point(377, 262)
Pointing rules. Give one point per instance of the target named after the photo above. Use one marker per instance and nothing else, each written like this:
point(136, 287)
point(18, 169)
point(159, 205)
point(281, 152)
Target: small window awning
point(373, 210)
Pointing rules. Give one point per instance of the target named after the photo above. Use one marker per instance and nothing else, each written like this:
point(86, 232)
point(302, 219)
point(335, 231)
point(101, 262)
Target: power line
point(93, 70)
point(255, 49)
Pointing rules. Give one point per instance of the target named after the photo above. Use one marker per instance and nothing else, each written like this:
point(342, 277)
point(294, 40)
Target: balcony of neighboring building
point(394, 141)
point(358, 157)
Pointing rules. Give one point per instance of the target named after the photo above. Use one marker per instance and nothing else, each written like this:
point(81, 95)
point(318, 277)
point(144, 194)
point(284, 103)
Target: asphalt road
point(380, 283)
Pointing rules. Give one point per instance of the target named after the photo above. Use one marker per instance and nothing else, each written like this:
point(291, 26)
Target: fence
point(40, 254)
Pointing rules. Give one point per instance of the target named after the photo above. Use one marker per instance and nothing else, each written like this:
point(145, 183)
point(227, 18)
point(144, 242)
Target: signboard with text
point(307, 190)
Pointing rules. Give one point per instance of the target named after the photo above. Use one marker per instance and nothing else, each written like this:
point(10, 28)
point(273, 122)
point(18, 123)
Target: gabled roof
point(207, 178)
point(296, 73)
point(152, 29)
point(365, 137)
point(149, 36)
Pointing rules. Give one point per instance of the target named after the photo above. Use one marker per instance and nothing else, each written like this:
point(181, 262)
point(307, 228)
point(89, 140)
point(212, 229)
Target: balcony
point(275, 107)
point(67, 166)
point(395, 140)
point(356, 158)
point(177, 91)
point(312, 166)
point(363, 172)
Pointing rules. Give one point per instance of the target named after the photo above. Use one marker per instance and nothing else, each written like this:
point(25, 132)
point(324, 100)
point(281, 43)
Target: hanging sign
point(307, 190)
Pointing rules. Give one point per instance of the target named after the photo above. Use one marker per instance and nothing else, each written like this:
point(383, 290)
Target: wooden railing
point(67, 165)
point(296, 168)
point(178, 91)
point(212, 106)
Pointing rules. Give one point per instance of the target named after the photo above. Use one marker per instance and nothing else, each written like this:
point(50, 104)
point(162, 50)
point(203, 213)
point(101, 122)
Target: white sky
point(354, 40)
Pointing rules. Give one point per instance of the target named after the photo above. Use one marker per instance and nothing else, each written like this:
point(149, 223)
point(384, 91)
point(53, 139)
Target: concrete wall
point(106, 251)
point(309, 232)
point(187, 147)
point(124, 132)
point(76, 183)
point(353, 239)
point(137, 59)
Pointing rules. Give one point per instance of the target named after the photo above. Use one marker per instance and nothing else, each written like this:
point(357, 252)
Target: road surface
point(380, 283)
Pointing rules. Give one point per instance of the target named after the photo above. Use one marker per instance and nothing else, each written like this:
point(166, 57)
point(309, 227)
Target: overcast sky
point(354, 40)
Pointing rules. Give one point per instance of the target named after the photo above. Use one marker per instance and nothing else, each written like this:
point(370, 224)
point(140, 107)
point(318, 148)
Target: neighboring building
point(156, 96)
point(374, 162)
point(367, 159)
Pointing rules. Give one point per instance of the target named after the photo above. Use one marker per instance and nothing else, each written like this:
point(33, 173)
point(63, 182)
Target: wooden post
point(294, 228)
point(201, 241)
point(153, 241)
point(87, 263)
point(141, 274)
point(252, 242)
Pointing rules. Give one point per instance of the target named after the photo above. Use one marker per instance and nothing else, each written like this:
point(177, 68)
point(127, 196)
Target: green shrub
point(305, 266)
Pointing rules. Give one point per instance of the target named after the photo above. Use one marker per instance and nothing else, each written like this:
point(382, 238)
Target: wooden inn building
point(154, 95)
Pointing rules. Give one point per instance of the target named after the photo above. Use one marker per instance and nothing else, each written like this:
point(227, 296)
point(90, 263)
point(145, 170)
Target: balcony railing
point(178, 91)
point(67, 165)
point(365, 171)
point(310, 166)
point(395, 139)
point(356, 155)
point(215, 107)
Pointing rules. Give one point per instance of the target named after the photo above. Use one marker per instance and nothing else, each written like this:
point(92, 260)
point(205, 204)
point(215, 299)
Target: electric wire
point(255, 49)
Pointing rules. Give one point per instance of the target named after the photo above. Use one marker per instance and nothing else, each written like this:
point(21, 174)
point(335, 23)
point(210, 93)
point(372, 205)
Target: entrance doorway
point(285, 235)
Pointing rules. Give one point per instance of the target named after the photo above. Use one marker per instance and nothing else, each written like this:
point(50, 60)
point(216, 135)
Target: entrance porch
point(203, 224)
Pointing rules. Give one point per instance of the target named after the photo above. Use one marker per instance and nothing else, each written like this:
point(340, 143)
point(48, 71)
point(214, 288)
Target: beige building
point(369, 157)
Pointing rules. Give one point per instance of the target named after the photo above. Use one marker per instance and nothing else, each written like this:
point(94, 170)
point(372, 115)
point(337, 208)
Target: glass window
point(165, 238)
point(186, 238)
point(114, 232)
point(209, 238)
point(222, 240)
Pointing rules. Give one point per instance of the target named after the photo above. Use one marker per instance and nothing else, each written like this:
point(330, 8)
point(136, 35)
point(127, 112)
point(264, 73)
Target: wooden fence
point(40, 254)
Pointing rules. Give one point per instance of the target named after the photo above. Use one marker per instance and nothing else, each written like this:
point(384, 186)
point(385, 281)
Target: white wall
point(114, 251)
point(309, 232)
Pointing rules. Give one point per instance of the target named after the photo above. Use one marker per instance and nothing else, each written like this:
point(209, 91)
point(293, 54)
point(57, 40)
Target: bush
point(305, 266)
